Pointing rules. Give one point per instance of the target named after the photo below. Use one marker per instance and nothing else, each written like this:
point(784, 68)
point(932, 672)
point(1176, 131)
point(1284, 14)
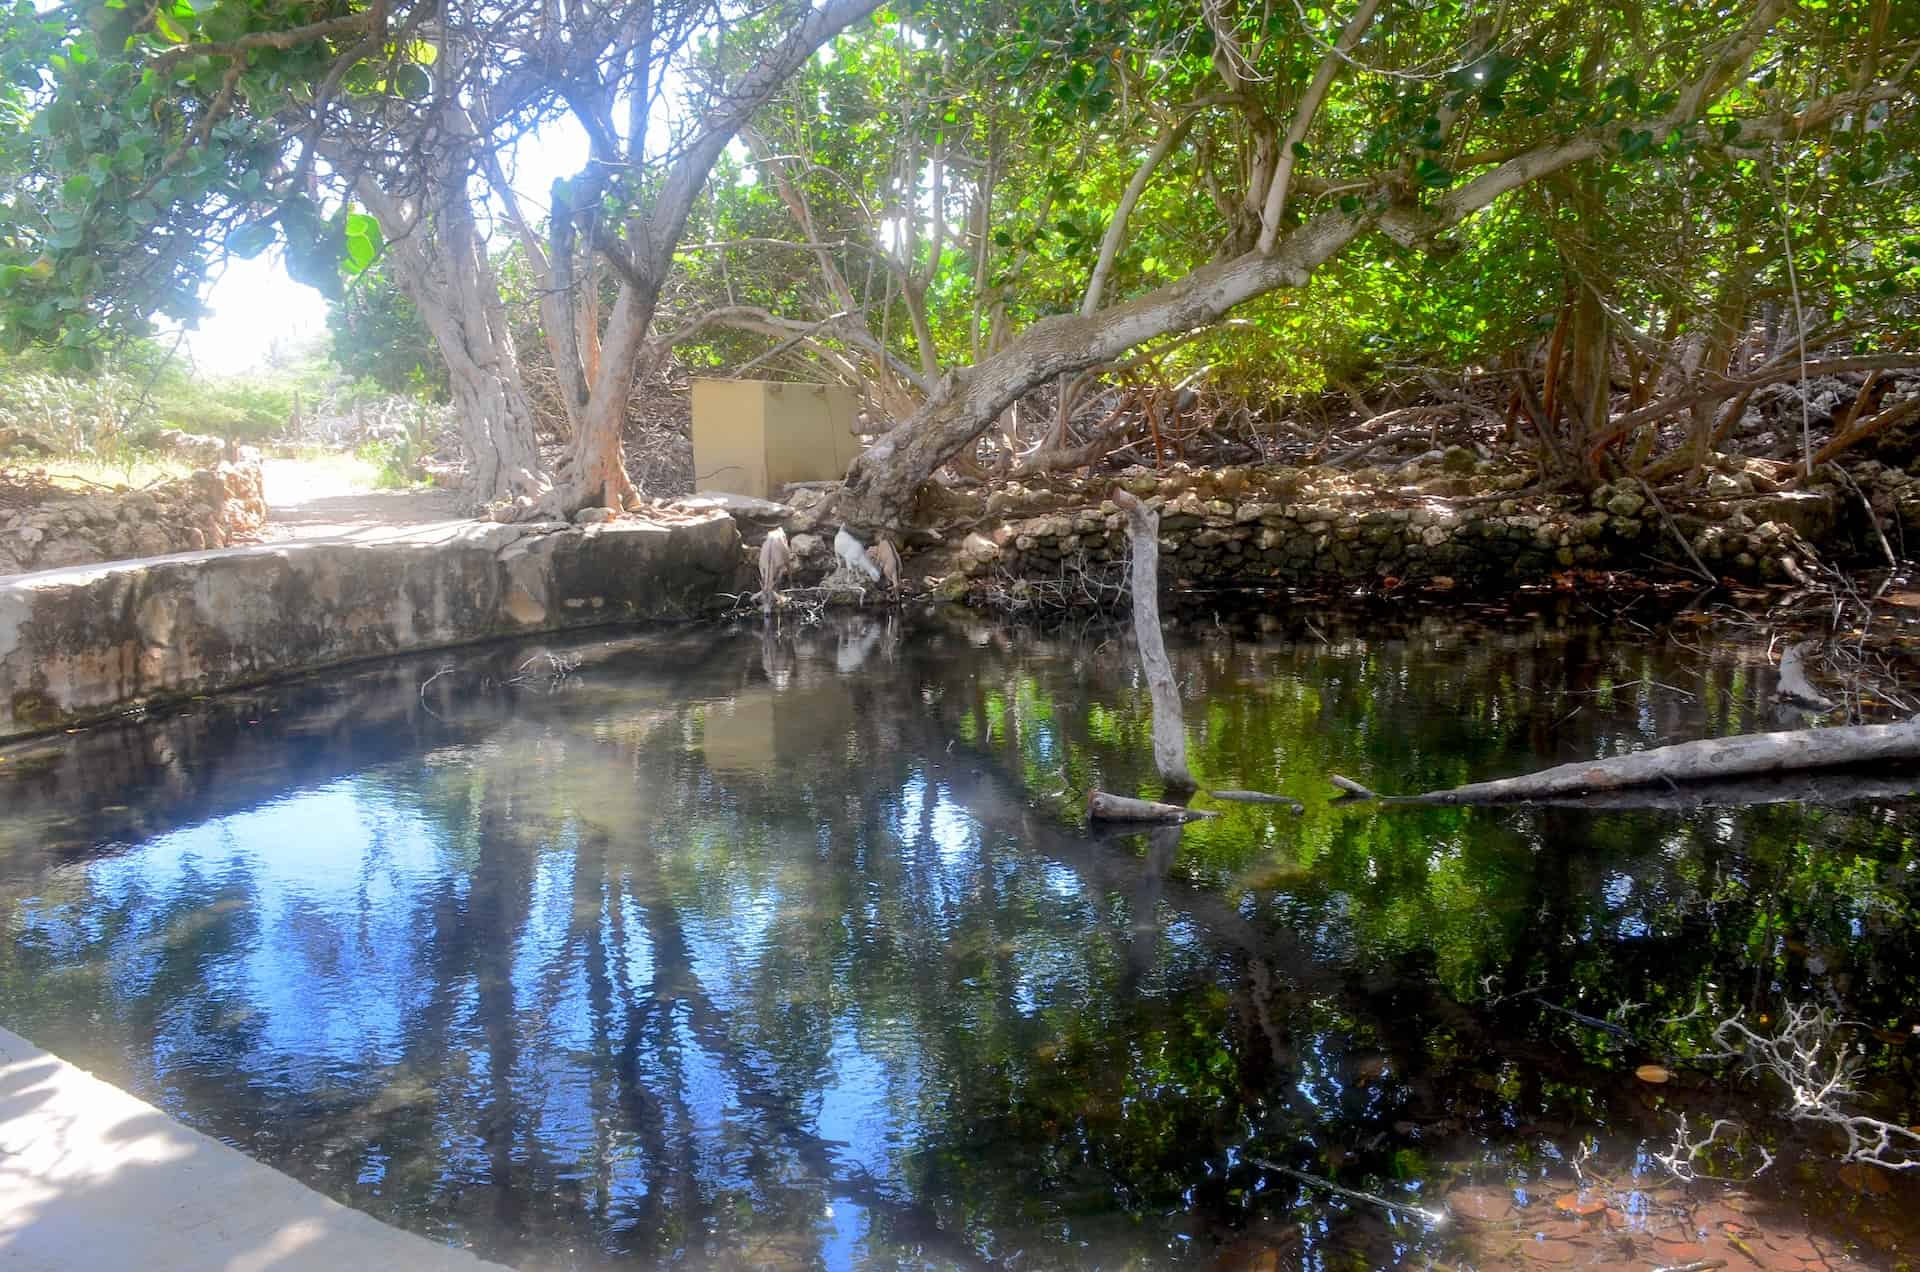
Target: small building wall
point(751, 437)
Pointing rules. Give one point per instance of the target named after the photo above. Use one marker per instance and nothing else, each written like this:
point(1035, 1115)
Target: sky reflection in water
point(779, 953)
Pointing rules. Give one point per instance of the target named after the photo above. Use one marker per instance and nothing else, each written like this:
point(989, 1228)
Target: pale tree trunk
point(554, 311)
point(882, 485)
point(1169, 720)
point(596, 470)
point(440, 264)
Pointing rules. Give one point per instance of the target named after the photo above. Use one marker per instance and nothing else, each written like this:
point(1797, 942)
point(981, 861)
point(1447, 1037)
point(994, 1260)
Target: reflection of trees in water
point(794, 925)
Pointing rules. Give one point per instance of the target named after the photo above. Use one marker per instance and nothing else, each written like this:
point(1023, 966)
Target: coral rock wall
point(212, 508)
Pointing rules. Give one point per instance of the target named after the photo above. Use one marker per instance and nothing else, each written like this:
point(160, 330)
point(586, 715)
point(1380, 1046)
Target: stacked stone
point(1243, 528)
point(1452, 520)
point(210, 508)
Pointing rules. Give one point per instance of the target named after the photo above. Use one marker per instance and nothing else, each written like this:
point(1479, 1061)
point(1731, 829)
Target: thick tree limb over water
point(1709, 760)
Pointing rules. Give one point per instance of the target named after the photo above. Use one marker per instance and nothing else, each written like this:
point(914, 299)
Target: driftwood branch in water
point(1169, 725)
point(1794, 687)
point(1435, 1217)
point(1814, 787)
point(1259, 797)
point(1710, 760)
point(1119, 808)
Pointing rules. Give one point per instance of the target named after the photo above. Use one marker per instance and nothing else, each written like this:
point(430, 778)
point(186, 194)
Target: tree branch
point(1276, 203)
point(1169, 139)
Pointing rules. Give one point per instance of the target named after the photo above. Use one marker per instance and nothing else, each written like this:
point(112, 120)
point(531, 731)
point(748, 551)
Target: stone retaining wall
point(84, 643)
point(211, 508)
point(1307, 528)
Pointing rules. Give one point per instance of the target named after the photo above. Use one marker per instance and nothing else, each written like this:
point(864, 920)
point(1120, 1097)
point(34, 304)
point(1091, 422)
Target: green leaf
point(1635, 145)
point(1432, 175)
point(360, 253)
point(251, 239)
point(1625, 88)
point(412, 82)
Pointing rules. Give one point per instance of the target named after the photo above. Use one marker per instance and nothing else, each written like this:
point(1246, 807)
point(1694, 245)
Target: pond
point(783, 950)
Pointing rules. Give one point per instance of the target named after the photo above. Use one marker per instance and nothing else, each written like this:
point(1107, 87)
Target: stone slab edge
point(91, 1177)
point(85, 643)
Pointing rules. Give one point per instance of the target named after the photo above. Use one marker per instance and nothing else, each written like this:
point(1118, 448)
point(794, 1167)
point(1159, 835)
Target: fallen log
point(1708, 760)
point(1259, 797)
point(1808, 787)
point(1119, 808)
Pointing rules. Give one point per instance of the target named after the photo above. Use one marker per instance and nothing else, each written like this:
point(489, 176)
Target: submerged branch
point(1437, 1218)
point(1120, 808)
point(1711, 760)
point(1259, 797)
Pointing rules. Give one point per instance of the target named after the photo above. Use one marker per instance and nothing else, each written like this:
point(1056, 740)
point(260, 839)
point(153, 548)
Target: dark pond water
point(782, 952)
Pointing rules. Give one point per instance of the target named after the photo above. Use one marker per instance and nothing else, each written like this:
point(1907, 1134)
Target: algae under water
point(719, 947)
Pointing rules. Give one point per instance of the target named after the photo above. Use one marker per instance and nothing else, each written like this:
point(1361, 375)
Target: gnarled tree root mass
point(1709, 760)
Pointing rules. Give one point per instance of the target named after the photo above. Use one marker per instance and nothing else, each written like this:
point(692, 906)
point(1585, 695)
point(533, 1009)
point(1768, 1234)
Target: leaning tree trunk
point(596, 468)
point(885, 479)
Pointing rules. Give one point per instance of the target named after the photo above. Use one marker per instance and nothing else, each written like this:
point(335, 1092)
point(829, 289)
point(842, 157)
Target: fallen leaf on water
point(1575, 1204)
point(1652, 1073)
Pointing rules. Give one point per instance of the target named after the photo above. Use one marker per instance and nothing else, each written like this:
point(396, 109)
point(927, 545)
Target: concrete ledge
point(79, 644)
point(92, 1178)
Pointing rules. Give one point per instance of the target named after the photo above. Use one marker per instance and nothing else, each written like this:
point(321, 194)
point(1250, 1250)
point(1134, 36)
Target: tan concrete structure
point(751, 437)
point(91, 1179)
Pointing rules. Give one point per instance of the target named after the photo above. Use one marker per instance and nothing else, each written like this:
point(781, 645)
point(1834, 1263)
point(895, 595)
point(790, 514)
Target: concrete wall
point(84, 643)
point(751, 437)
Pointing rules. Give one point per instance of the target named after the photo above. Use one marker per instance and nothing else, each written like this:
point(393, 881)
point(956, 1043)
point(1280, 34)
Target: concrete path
point(91, 1178)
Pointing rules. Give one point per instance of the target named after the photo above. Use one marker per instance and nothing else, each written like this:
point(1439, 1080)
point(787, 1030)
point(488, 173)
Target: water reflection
point(776, 950)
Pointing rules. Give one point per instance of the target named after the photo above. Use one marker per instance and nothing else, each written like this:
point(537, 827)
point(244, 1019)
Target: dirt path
point(319, 501)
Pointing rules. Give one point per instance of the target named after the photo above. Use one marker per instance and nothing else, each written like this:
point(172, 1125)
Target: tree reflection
point(777, 949)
